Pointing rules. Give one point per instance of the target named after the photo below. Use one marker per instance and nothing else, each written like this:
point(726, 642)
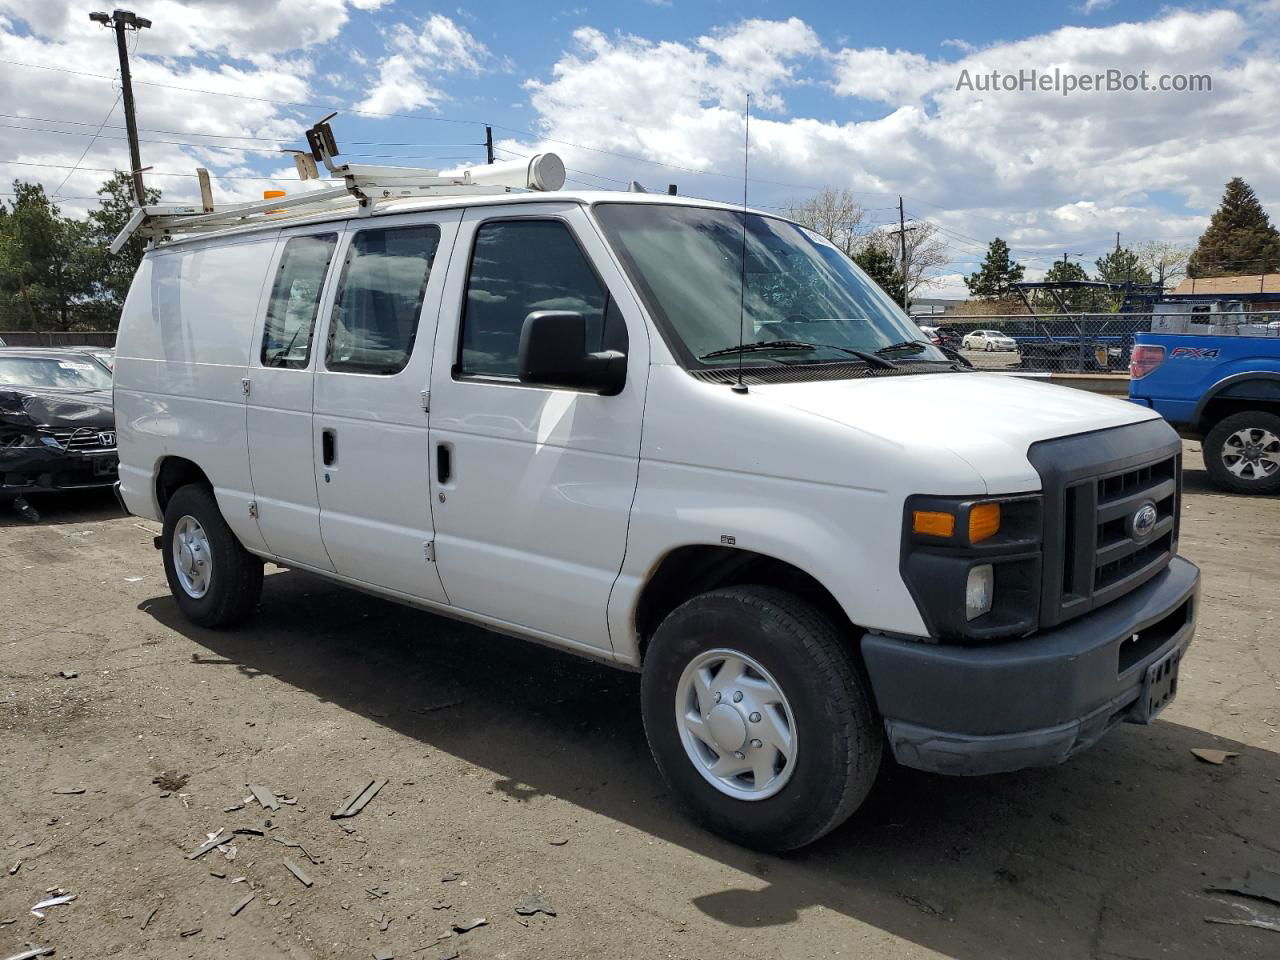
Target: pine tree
point(1122, 265)
point(992, 279)
point(1064, 271)
point(1240, 240)
point(882, 266)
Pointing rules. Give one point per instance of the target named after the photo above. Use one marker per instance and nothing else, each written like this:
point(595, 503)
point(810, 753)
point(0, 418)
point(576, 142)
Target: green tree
point(1122, 265)
point(1077, 301)
point(1240, 239)
point(38, 279)
point(992, 279)
point(880, 264)
point(115, 273)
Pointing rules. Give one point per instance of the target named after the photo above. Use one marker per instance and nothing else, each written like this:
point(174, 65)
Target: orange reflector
point(984, 522)
point(272, 194)
point(934, 523)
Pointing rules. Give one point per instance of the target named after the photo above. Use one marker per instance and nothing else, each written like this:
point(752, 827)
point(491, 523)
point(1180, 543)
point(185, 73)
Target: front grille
point(1118, 553)
point(86, 440)
point(1097, 487)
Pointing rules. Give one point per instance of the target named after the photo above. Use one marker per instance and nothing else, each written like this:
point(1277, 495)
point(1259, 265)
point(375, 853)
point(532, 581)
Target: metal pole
point(902, 241)
point(488, 143)
point(130, 122)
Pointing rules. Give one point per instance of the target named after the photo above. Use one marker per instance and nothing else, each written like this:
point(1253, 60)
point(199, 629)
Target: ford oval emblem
point(1144, 521)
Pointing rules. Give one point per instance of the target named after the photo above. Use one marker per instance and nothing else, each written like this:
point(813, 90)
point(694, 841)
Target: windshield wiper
point(953, 358)
point(903, 345)
point(794, 345)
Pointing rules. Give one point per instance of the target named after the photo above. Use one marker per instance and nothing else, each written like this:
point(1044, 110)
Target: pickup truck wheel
point(215, 581)
point(1242, 452)
point(759, 717)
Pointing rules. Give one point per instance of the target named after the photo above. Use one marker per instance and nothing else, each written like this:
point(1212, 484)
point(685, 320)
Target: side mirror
point(553, 353)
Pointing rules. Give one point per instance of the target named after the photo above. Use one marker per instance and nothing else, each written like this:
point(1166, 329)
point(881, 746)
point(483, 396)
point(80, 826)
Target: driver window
point(517, 267)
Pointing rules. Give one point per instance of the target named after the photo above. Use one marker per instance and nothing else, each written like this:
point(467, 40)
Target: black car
point(57, 426)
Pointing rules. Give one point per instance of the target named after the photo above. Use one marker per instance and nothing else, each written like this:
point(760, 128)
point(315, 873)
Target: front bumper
point(972, 710)
point(25, 470)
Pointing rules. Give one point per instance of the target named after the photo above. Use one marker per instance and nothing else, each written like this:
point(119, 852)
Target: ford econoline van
point(676, 436)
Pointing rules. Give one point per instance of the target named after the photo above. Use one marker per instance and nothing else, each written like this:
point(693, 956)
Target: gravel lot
point(514, 771)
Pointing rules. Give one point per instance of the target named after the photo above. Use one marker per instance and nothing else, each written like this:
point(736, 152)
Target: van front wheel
point(759, 717)
point(215, 581)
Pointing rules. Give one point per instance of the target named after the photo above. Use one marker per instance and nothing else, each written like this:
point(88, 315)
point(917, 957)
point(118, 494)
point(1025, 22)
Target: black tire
point(838, 736)
point(235, 581)
point(1215, 447)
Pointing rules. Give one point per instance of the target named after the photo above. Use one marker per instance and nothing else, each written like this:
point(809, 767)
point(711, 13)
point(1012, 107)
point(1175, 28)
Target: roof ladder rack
point(363, 186)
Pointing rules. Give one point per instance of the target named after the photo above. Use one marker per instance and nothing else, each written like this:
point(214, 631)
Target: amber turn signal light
point(934, 523)
point(984, 522)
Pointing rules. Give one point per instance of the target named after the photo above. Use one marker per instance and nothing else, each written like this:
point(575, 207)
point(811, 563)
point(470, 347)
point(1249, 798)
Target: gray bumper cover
point(972, 710)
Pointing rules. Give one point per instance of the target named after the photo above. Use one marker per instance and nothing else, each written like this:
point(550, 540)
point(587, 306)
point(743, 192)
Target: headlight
point(978, 591)
point(973, 564)
point(17, 438)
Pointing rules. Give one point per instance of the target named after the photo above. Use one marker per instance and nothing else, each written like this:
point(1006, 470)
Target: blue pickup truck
point(1221, 390)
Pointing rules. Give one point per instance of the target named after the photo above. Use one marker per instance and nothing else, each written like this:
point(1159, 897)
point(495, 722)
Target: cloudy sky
point(856, 95)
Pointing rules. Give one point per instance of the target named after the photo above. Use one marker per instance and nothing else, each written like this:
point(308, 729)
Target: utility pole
point(123, 20)
point(902, 241)
point(488, 143)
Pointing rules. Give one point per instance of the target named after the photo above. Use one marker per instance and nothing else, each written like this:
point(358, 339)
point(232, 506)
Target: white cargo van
point(816, 537)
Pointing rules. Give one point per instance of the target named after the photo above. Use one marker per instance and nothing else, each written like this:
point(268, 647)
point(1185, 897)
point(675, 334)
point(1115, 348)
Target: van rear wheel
point(1242, 452)
point(215, 581)
point(759, 717)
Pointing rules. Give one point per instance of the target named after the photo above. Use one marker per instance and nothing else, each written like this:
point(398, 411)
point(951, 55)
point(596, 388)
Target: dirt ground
point(512, 770)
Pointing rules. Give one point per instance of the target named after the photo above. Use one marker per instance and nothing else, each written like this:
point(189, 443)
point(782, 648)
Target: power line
point(261, 150)
point(245, 96)
point(150, 173)
point(220, 136)
point(88, 146)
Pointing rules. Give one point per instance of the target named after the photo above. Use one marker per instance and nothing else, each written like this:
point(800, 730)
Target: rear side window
point(375, 315)
point(517, 267)
point(295, 301)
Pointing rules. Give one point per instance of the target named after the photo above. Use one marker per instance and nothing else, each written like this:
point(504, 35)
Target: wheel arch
point(686, 571)
point(173, 473)
point(1234, 394)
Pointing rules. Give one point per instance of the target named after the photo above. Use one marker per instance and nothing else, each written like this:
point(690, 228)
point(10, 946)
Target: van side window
point(375, 314)
point(295, 301)
point(517, 267)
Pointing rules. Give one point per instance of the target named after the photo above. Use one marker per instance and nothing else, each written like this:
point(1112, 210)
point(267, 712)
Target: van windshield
point(800, 291)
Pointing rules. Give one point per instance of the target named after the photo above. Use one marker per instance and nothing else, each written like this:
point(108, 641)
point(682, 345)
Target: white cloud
point(668, 101)
point(186, 48)
point(1039, 169)
point(1092, 6)
point(434, 47)
point(260, 51)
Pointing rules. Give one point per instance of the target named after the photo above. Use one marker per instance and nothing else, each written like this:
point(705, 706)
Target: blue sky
point(853, 96)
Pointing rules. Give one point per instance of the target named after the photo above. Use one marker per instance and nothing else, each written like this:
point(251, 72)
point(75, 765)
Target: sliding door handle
point(329, 447)
point(444, 463)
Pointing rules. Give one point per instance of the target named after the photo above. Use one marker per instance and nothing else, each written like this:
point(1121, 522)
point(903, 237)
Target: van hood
point(988, 420)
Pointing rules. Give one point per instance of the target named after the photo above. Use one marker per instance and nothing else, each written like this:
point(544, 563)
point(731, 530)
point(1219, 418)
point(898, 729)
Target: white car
point(988, 340)
point(562, 416)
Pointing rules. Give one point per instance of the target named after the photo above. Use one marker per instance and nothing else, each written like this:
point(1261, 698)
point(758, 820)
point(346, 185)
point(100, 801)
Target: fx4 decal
point(1195, 353)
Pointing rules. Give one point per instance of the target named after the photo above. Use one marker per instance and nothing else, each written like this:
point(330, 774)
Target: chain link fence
point(1096, 343)
point(58, 338)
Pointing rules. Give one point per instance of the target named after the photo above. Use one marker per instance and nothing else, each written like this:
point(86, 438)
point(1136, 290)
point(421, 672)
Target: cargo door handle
point(444, 463)
point(329, 447)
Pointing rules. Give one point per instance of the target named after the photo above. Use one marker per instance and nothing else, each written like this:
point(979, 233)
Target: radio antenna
point(741, 387)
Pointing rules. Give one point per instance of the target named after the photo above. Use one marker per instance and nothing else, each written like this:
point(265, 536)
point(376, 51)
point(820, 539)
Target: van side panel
point(181, 355)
